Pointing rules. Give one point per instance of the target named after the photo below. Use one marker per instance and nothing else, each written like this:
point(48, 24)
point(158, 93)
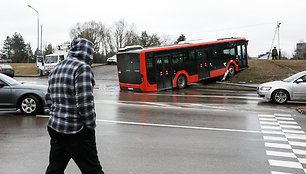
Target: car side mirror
point(299, 81)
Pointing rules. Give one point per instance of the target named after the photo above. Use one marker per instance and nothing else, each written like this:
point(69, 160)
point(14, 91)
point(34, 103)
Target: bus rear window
point(129, 68)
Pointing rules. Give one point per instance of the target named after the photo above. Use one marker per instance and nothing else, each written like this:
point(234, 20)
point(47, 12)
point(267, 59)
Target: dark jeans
point(81, 147)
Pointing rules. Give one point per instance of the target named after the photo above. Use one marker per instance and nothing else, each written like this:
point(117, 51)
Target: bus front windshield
point(51, 59)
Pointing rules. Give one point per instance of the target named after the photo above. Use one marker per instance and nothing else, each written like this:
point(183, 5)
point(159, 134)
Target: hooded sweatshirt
point(70, 92)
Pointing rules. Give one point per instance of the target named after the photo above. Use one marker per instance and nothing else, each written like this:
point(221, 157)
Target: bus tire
point(181, 82)
point(231, 70)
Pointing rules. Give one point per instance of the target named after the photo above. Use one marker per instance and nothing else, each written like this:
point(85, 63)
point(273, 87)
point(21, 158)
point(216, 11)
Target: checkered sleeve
point(48, 98)
point(84, 83)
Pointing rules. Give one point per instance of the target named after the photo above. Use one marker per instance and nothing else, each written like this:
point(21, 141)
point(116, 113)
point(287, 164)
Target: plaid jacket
point(70, 92)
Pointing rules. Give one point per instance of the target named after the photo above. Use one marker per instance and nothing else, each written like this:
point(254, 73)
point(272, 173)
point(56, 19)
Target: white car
point(291, 88)
point(111, 60)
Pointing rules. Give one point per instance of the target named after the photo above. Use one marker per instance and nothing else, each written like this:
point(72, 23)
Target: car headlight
point(265, 88)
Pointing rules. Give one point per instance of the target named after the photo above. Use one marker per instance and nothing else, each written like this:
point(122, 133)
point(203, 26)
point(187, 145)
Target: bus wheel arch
point(181, 81)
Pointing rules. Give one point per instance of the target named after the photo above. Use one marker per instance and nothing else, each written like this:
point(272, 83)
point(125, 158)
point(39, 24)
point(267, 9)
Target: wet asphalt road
point(190, 131)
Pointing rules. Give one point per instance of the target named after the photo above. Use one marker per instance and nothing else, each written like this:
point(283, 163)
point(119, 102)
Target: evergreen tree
point(7, 50)
point(18, 48)
point(48, 50)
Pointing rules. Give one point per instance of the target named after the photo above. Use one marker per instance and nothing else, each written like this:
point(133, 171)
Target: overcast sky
point(197, 19)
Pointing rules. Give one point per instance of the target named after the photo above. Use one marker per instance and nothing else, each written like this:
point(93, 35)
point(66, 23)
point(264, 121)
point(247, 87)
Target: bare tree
point(95, 32)
point(124, 34)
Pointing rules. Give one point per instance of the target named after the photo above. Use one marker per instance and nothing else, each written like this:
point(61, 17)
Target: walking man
point(274, 54)
point(73, 118)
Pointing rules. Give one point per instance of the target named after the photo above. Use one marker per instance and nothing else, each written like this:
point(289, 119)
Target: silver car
point(111, 60)
point(291, 88)
point(30, 99)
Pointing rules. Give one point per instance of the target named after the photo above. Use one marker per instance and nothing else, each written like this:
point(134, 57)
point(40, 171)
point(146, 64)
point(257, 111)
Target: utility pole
point(276, 31)
point(279, 50)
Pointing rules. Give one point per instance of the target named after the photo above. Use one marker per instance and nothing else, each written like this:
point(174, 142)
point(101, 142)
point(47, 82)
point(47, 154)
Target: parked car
point(291, 88)
point(7, 69)
point(111, 60)
point(30, 99)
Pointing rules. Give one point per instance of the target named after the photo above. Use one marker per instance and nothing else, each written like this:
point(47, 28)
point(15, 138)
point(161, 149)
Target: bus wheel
point(231, 71)
point(181, 82)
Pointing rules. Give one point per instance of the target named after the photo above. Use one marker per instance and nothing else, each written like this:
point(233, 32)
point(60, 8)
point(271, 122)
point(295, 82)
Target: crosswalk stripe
point(296, 143)
point(273, 132)
point(300, 152)
point(293, 131)
point(269, 123)
point(273, 172)
point(281, 154)
point(287, 122)
point(275, 138)
point(278, 145)
point(288, 164)
point(296, 136)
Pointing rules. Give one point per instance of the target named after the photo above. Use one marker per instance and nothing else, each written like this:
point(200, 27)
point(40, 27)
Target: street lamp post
point(37, 26)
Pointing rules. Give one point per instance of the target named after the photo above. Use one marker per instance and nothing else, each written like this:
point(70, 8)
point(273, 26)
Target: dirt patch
point(261, 71)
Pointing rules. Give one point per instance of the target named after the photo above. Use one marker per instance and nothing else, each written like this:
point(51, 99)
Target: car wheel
point(30, 105)
point(231, 71)
point(280, 96)
point(181, 82)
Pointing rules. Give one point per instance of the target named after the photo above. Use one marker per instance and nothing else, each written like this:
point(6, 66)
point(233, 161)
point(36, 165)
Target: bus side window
point(243, 52)
point(239, 51)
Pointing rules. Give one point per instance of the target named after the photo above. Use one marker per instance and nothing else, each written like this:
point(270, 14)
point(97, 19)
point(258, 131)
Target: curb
point(301, 109)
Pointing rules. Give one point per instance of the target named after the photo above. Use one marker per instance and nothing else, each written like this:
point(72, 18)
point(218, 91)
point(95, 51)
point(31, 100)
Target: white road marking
point(302, 160)
point(287, 122)
point(290, 127)
point(298, 151)
point(281, 154)
point(296, 143)
point(273, 172)
point(283, 118)
point(296, 136)
point(178, 126)
point(273, 132)
point(168, 126)
point(293, 131)
point(288, 164)
point(275, 138)
point(277, 145)
point(269, 123)
point(271, 127)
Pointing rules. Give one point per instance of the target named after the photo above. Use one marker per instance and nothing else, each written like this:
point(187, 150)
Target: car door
point(299, 88)
point(6, 95)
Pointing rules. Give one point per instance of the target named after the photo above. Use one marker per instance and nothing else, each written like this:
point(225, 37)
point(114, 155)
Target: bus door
point(244, 56)
point(163, 72)
point(239, 57)
point(202, 64)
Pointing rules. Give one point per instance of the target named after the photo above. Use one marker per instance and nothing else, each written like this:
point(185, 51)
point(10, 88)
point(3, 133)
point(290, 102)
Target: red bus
point(167, 67)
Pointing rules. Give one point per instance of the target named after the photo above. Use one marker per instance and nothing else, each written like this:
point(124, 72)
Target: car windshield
point(6, 66)
point(293, 77)
point(51, 59)
point(9, 80)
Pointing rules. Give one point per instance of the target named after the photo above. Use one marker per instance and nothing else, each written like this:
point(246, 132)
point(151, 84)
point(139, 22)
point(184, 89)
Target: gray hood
point(81, 49)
